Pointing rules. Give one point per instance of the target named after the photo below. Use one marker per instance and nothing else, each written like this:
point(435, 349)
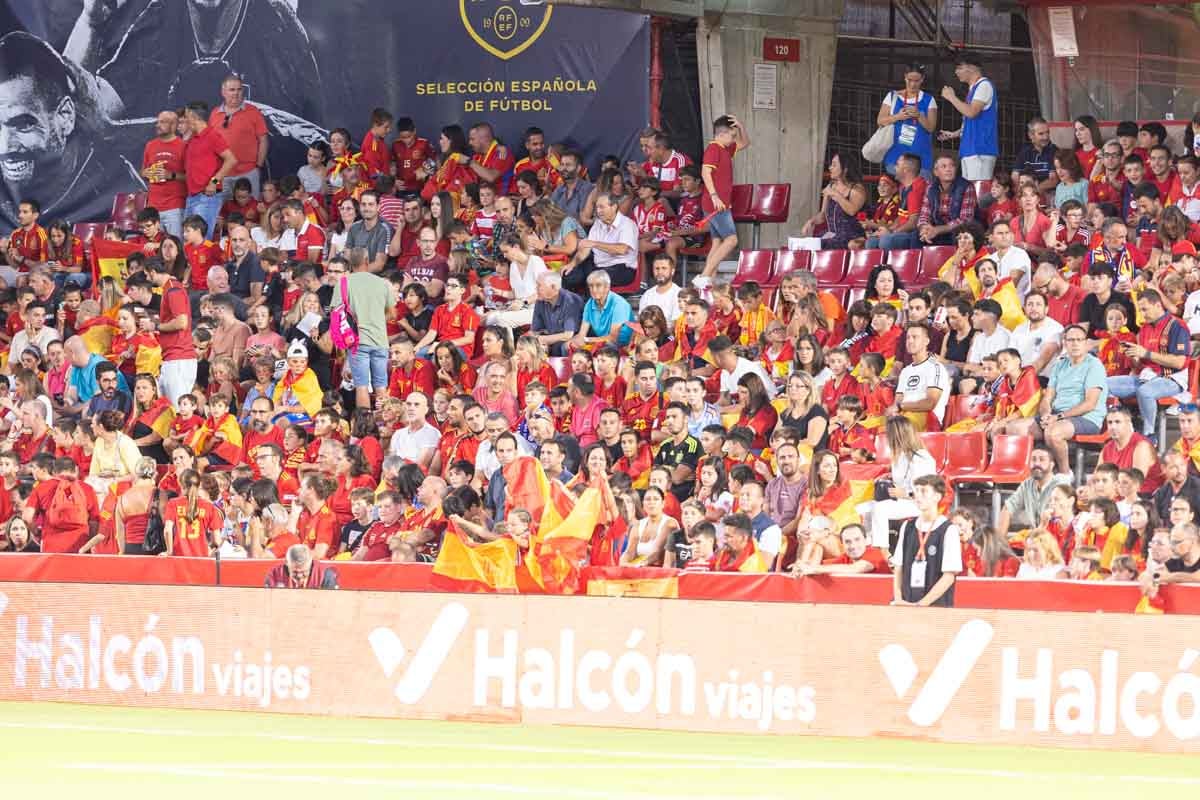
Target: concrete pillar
point(788, 143)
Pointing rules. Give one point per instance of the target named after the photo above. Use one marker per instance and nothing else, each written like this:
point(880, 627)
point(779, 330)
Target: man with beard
point(785, 491)
point(665, 292)
point(187, 47)
point(453, 434)
point(113, 394)
point(246, 276)
point(1039, 338)
point(405, 243)
point(491, 161)
point(572, 193)
point(1023, 508)
point(261, 432)
point(536, 160)
point(54, 143)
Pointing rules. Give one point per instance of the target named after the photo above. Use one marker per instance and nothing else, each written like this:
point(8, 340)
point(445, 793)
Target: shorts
point(721, 225)
point(1083, 426)
point(978, 168)
point(369, 367)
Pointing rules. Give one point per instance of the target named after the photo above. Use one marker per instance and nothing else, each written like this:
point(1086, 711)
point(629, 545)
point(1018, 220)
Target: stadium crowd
point(352, 358)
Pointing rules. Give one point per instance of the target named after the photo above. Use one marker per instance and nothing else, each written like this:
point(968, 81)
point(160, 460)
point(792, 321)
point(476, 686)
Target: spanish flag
point(230, 450)
point(749, 560)
point(97, 333)
point(465, 567)
point(526, 486)
point(1150, 605)
point(108, 259)
point(558, 553)
point(1013, 315)
point(634, 582)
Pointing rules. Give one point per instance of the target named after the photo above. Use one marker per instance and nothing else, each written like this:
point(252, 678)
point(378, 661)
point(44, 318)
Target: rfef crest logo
point(504, 28)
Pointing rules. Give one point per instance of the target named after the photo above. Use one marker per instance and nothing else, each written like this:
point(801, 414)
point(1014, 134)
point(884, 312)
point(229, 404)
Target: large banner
point(1013, 677)
point(102, 74)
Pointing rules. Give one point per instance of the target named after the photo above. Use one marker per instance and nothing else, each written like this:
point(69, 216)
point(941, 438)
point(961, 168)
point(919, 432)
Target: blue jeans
point(908, 240)
point(1148, 394)
point(172, 221)
point(369, 367)
point(206, 207)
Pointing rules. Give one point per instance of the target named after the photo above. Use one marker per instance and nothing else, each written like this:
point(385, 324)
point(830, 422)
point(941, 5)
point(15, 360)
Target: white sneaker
point(1172, 411)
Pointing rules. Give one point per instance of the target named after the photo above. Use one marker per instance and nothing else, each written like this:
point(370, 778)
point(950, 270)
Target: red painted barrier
point(1000, 593)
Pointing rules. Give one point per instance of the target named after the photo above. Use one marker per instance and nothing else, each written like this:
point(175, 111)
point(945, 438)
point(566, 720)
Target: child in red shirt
point(201, 254)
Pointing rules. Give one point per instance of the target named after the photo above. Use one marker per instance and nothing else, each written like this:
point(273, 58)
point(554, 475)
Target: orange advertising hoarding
point(1056, 679)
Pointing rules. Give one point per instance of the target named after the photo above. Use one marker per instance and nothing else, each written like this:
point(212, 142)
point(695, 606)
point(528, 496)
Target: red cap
point(1184, 248)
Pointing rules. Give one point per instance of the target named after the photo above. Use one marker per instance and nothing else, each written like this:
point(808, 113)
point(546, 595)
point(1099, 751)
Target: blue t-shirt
point(1070, 383)
point(616, 311)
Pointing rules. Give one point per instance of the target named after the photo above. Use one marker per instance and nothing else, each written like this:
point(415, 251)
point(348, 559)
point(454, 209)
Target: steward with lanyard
point(928, 553)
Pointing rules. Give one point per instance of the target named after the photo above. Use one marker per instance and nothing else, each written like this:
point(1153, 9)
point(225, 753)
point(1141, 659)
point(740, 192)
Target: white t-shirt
point(1191, 312)
point(771, 540)
point(729, 380)
point(524, 281)
point(916, 379)
point(983, 345)
point(486, 462)
point(409, 444)
point(951, 544)
point(668, 301)
point(1016, 259)
point(1030, 342)
point(984, 93)
point(21, 341)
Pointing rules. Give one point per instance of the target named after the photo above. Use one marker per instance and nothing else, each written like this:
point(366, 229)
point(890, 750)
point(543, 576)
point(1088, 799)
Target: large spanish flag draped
point(462, 566)
point(108, 259)
point(749, 560)
point(558, 552)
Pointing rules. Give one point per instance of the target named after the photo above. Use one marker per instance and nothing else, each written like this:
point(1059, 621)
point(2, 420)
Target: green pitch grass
point(101, 753)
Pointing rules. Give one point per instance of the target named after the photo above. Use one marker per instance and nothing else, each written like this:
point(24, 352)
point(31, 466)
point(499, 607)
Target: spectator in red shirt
point(201, 253)
point(310, 239)
point(163, 169)
point(454, 322)
point(492, 161)
point(1063, 300)
point(29, 245)
point(245, 130)
point(717, 173)
point(178, 373)
point(375, 544)
point(70, 517)
point(375, 153)
point(190, 522)
point(207, 162)
point(409, 153)
point(860, 557)
point(585, 414)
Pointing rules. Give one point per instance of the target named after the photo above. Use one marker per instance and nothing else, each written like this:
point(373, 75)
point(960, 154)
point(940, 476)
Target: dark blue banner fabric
point(81, 80)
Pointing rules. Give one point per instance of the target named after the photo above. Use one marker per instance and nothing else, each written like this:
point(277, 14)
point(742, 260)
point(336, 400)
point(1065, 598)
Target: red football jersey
point(200, 257)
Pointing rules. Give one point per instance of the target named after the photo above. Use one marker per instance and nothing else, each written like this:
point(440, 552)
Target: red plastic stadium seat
point(855, 294)
point(1008, 467)
point(770, 202)
point(932, 259)
point(788, 261)
point(907, 265)
point(829, 266)
point(860, 265)
point(635, 285)
point(863, 472)
point(937, 445)
point(839, 292)
point(964, 406)
point(743, 194)
point(983, 188)
point(126, 207)
point(755, 265)
point(966, 453)
point(86, 231)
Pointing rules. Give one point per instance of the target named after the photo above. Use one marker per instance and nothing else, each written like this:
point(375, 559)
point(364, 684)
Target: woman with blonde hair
point(910, 460)
point(1042, 559)
point(804, 412)
point(133, 508)
point(530, 358)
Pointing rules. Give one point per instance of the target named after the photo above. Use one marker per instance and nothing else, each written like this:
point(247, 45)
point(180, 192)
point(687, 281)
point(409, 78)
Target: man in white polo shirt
point(923, 389)
point(1039, 338)
point(1012, 262)
point(417, 441)
point(612, 245)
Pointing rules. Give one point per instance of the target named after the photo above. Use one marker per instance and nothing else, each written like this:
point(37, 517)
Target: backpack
point(156, 538)
point(68, 506)
point(343, 327)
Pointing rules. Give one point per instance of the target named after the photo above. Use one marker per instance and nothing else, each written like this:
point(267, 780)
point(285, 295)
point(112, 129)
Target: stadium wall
point(995, 677)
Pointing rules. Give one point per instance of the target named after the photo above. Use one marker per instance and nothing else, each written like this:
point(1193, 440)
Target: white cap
point(297, 350)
